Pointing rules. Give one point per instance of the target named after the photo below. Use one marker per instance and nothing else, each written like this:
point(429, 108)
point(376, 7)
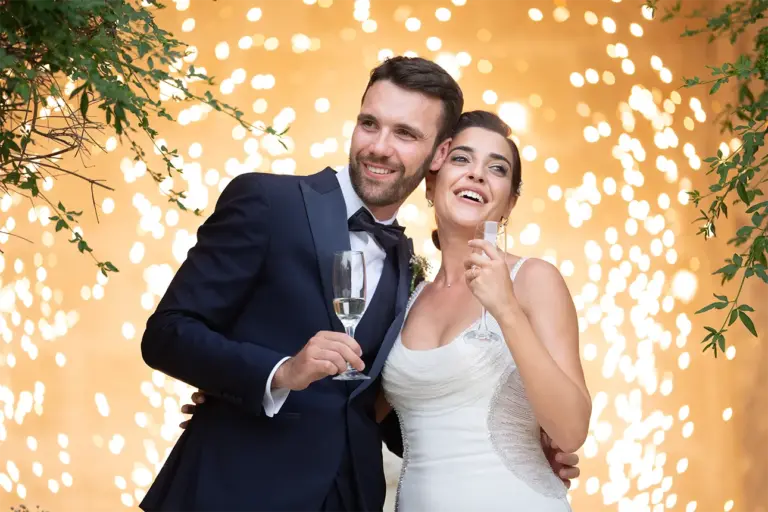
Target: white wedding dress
point(472, 443)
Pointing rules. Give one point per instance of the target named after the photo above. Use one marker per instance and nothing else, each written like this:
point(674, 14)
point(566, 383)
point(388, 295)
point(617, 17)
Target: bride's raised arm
point(539, 323)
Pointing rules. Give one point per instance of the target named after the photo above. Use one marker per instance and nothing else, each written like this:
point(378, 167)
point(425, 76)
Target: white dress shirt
point(374, 264)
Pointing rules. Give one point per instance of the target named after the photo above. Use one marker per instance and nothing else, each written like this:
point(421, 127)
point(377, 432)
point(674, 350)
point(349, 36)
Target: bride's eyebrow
point(497, 156)
point(466, 149)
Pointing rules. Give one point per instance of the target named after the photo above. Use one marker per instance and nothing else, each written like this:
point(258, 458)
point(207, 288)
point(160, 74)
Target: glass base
point(351, 374)
point(483, 337)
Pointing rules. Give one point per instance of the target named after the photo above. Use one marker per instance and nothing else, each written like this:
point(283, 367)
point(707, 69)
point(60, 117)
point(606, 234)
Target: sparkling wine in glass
point(494, 233)
point(349, 298)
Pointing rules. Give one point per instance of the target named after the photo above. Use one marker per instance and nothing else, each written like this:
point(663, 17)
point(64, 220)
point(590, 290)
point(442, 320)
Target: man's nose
point(382, 146)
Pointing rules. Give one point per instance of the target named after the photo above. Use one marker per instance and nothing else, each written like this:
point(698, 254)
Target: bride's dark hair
point(491, 122)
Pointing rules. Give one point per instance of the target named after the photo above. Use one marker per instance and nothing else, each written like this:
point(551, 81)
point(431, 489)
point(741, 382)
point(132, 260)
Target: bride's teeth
point(472, 195)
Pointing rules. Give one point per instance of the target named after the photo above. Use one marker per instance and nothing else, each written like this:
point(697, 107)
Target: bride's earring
point(504, 221)
point(430, 203)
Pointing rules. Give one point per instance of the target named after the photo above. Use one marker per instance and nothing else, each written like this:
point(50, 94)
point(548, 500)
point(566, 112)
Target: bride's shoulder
point(535, 277)
point(531, 269)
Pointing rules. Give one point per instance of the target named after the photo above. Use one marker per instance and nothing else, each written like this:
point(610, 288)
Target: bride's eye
point(460, 159)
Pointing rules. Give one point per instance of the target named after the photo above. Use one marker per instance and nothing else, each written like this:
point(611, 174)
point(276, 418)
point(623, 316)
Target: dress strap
point(516, 267)
point(419, 288)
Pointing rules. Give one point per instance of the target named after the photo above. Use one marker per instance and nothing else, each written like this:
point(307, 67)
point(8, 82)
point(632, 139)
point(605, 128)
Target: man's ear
point(441, 153)
point(429, 182)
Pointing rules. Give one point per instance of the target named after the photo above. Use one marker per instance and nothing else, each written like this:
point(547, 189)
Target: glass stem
point(350, 329)
point(483, 322)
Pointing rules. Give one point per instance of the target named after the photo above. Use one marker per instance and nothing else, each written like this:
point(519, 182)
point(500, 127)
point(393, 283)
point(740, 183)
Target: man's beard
point(386, 196)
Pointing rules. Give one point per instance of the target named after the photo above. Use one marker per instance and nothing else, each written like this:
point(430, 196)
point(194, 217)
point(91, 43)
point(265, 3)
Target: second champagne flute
point(349, 298)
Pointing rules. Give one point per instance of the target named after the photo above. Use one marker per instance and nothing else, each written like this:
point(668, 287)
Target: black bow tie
point(387, 236)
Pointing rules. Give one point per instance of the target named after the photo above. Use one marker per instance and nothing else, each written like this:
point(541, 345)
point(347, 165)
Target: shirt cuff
point(274, 398)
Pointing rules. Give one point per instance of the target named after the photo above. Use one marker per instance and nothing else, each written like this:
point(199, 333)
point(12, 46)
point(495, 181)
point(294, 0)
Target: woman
point(470, 412)
point(471, 415)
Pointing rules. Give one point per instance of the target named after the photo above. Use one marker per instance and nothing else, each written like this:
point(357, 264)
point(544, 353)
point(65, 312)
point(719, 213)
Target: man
point(248, 318)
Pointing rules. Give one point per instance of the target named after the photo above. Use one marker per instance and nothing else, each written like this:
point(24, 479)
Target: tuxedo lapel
point(327, 216)
point(403, 290)
point(405, 253)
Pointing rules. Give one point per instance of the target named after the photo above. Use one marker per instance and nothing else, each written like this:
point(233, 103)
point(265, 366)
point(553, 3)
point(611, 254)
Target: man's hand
point(327, 353)
point(565, 465)
point(198, 397)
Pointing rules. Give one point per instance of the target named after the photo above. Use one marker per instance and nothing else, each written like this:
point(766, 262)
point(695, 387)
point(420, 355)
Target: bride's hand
point(488, 278)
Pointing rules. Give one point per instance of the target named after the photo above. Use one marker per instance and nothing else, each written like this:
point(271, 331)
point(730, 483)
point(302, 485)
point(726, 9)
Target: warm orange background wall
point(609, 141)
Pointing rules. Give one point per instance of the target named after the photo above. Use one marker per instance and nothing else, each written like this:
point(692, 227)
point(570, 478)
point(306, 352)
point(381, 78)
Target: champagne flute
point(349, 298)
point(494, 233)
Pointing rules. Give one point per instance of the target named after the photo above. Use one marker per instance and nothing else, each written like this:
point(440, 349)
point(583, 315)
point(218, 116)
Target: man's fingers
point(340, 337)
point(349, 355)
point(333, 357)
point(188, 409)
point(328, 368)
point(198, 397)
point(184, 424)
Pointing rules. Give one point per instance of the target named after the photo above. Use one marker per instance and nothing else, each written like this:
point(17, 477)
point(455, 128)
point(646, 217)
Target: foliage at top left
point(69, 71)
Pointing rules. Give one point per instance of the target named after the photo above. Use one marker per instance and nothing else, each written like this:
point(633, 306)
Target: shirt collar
point(351, 199)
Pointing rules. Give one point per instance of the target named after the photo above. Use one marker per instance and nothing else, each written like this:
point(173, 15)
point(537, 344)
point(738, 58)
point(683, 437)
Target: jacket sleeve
point(183, 336)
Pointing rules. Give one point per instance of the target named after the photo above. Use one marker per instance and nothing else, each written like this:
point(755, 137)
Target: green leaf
point(77, 90)
point(30, 184)
point(709, 307)
point(733, 316)
point(720, 342)
point(22, 89)
point(746, 307)
point(82, 246)
point(757, 206)
point(12, 178)
point(742, 191)
point(747, 323)
point(84, 104)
